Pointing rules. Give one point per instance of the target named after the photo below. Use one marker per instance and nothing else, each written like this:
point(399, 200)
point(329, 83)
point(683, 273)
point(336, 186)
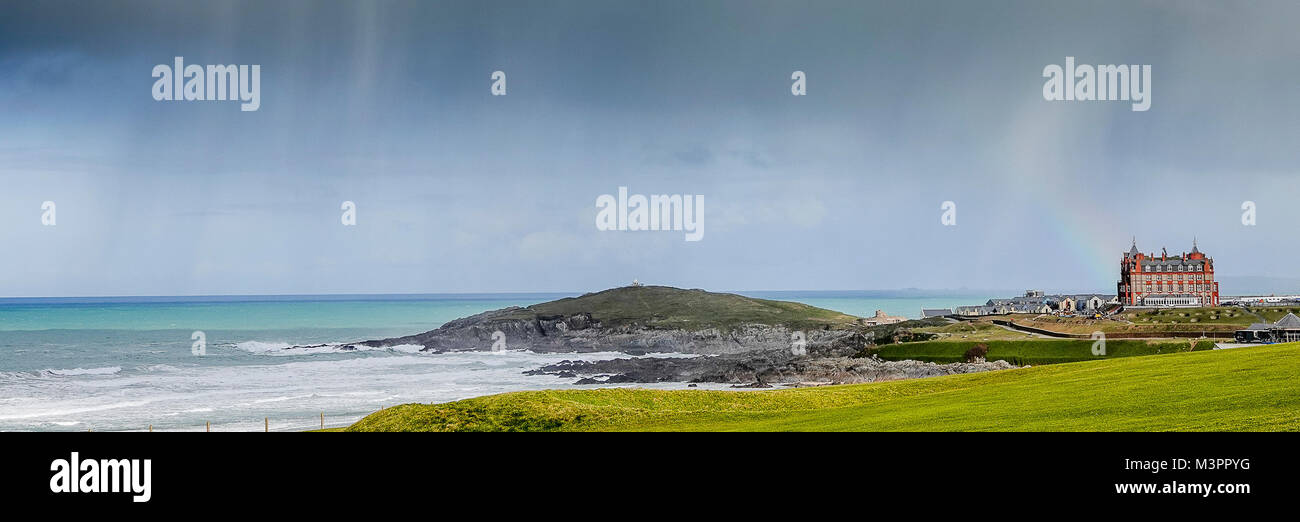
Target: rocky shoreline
point(757, 369)
point(581, 333)
point(749, 352)
point(751, 355)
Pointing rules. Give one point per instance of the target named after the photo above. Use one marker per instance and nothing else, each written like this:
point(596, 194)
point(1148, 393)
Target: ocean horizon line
point(110, 299)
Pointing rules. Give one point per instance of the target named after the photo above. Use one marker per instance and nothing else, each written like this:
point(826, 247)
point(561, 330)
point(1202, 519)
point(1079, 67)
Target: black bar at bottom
point(563, 472)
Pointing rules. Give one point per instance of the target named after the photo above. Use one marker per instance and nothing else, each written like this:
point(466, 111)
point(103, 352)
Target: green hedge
point(1033, 352)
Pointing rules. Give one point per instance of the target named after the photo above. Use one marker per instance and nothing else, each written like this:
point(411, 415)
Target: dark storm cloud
point(387, 104)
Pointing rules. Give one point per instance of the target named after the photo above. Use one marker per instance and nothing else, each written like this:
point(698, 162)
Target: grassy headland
point(665, 307)
point(1238, 389)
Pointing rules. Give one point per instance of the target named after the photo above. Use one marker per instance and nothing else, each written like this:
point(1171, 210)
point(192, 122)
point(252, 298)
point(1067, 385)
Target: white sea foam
point(65, 372)
point(670, 355)
point(280, 399)
point(291, 392)
point(261, 346)
point(285, 349)
point(107, 370)
point(46, 409)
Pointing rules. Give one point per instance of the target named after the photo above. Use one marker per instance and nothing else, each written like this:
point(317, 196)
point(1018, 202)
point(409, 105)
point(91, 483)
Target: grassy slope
point(1035, 351)
point(1140, 324)
point(975, 331)
point(1239, 389)
point(666, 307)
point(1219, 319)
point(1225, 315)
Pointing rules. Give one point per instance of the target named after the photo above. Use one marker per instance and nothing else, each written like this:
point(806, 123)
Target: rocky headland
point(735, 339)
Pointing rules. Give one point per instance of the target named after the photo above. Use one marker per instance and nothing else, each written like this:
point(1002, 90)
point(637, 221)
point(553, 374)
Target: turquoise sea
point(128, 363)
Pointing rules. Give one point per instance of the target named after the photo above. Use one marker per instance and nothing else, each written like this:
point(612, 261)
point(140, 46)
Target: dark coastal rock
point(763, 367)
point(737, 339)
point(585, 335)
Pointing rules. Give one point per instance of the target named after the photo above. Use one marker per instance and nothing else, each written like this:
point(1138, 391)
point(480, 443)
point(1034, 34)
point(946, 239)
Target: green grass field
point(1035, 351)
point(1131, 323)
point(975, 331)
point(1155, 322)
point(1221, 315)
point(1240, 389)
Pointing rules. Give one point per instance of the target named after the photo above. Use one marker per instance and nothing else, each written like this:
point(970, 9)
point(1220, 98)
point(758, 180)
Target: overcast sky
point(388, 104)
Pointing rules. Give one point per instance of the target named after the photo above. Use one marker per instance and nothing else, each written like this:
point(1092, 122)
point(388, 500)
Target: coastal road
point(1033, 334)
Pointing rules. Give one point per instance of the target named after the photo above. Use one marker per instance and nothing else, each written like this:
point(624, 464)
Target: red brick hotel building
point(1148, 280)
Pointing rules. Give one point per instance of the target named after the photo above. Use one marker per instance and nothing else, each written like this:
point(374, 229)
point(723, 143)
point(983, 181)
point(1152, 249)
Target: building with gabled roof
point(935, 312)
point(1285, 330)
point(881, 318)
point(1148, 280)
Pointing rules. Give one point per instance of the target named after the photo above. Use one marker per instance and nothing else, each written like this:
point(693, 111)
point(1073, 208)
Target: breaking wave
point(289, 349)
